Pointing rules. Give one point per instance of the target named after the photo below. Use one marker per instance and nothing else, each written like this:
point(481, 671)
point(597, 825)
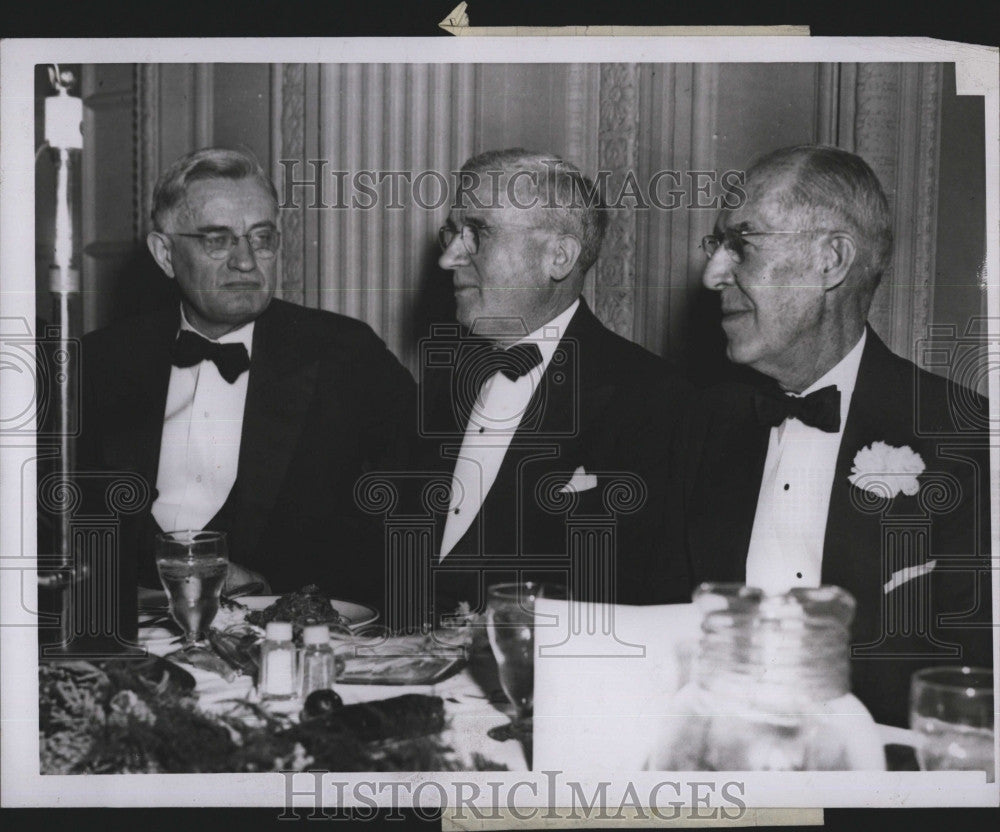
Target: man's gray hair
point(833, 185)
point(207, 163)
point(566, 199)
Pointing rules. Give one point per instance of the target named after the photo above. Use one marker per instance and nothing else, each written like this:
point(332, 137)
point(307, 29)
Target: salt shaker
point(319, 665)
point(277, 662)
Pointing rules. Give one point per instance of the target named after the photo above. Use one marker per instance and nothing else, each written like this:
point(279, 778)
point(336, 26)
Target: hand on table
point(238, 576)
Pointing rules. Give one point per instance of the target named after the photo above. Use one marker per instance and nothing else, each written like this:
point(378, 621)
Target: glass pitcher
point(770, 688)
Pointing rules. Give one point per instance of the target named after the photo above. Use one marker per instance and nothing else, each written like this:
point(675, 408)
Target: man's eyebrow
point(209, 229)
point(472, 218)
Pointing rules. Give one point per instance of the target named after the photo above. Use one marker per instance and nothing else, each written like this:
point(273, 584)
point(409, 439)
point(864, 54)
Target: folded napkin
point(603, 677)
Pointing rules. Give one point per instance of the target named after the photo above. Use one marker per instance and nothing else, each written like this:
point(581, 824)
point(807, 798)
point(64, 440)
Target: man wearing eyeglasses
point(545, 416)
point(244, 413)
point(846, 464)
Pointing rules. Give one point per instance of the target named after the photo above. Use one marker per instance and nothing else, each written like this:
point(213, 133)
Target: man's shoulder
point(931, 402)
point(726, 402)
point(321, 328)
point(606, 353)
point(133, 329)
point(317, 321)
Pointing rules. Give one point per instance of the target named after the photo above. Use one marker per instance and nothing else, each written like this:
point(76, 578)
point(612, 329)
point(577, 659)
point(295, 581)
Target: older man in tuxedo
point(241, 412)
point(847, 464)
point(551, 430)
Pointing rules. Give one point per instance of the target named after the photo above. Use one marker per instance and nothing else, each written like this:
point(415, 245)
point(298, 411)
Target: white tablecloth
point(471, 700)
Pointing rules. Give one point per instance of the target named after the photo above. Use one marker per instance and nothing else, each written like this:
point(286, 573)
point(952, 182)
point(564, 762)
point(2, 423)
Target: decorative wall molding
point(146, 134)
point(897, 131)
point(618, 134)
point(581, 117)
point(288, 102)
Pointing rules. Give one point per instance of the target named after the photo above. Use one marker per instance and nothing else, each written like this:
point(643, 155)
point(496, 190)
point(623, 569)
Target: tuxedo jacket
point(326, 402)
point(903, 620)
point(604, 405)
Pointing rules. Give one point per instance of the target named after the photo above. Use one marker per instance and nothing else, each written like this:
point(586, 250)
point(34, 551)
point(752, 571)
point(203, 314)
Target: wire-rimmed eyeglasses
point(470, 234)
point(733, 240)
point(218, 245)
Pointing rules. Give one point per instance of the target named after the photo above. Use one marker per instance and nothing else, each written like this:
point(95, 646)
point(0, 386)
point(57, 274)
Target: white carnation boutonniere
point(886, 471)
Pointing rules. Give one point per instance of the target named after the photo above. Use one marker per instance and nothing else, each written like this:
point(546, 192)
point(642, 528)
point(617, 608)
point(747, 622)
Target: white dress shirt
point(495, 418)
point(786, 545)
point(200, 443)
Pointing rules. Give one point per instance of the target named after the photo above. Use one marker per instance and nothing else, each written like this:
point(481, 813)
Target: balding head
point(831, 188)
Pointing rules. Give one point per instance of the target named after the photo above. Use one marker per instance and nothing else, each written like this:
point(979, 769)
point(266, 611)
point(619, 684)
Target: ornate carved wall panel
point(147, 143)
point(618, 139)
point(896, 129)
point(582, 118)
point(288, 91)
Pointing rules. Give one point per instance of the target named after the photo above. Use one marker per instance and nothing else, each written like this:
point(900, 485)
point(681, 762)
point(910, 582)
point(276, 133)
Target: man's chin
point(740, 352)
point(465, 313)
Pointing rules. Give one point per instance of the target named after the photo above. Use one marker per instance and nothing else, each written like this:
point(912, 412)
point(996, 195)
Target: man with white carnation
point(846, 464)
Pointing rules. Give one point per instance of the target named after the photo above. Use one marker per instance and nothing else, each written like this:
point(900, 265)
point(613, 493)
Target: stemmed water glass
point(510, 626)
point(192, 566)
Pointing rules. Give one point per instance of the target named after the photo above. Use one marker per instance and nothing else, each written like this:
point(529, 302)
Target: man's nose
point(455, 255)
point(242, 256)
point(718, 270)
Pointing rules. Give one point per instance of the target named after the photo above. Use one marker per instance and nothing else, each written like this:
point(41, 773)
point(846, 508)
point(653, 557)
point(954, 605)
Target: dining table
point(475, 707)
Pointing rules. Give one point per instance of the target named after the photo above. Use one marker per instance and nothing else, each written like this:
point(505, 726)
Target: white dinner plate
point(357, 615)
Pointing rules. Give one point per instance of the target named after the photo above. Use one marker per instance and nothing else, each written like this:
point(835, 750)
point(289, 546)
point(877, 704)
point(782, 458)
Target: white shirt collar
point(242, 335)
point(844, 375)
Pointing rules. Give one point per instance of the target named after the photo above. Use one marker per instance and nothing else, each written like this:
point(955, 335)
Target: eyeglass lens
point(263, 241)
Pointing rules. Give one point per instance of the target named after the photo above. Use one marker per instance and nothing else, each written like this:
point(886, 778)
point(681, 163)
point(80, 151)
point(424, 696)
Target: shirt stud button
point(798, 574)
point(787, 486)
point(457, 510)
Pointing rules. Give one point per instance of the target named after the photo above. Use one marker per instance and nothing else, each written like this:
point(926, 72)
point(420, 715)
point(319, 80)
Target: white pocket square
point(580, 481)
point(910, 573)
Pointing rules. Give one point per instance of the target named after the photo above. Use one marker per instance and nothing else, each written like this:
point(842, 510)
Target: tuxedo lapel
point(141, 390)
point(283, 378)
point(852, 549)
point(548, 439)
point(723, 504)
point(552, 434)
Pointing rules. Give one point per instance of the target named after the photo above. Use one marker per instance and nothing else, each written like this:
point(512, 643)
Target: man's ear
point(839, 252)
point(159, 247)
point(563, 253)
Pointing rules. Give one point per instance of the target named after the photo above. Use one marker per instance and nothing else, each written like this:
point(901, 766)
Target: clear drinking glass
point(951, 708)
point(510, 626)
point(192, 566)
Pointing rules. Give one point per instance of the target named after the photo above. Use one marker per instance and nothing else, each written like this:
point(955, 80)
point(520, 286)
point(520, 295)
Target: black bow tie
point(190, 349)
point(819, 410)
point(514, 362)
